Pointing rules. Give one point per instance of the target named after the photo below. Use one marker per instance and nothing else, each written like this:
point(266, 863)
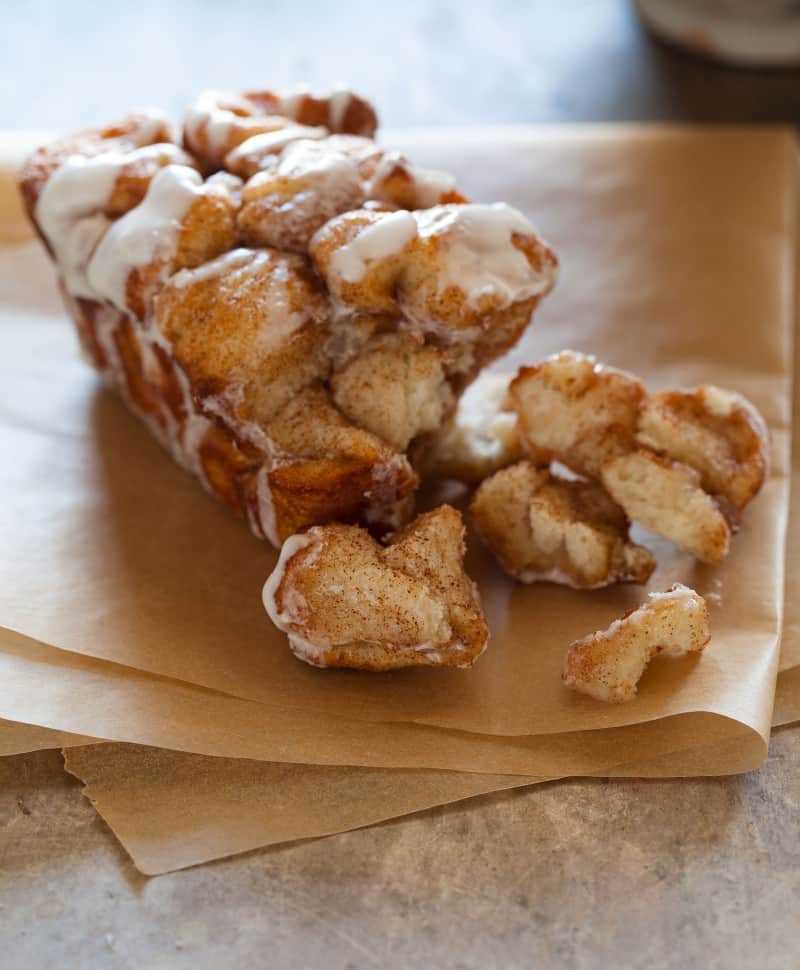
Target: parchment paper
point(69, 692)
point(229, 811)
point(677, 248)
point(173, 810)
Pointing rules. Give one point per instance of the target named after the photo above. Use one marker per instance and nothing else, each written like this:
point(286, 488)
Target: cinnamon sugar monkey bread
point(288, 306)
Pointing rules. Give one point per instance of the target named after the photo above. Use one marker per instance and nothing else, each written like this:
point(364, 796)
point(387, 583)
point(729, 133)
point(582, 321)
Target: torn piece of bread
point(666, 497)
point(607, 665)
point(346, 601)
point(543, 528)
point(715, 431)
point(325, 469)
point(480, 438)
point(682, 463)
point(578, 411)
point(396, 388)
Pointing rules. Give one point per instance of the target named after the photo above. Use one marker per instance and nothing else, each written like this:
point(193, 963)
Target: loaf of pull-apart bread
point(288, 306)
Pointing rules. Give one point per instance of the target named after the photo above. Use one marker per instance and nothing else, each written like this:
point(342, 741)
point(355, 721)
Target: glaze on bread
point(205, 271)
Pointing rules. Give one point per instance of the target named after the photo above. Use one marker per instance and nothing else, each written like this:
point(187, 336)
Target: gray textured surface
point(580, 874)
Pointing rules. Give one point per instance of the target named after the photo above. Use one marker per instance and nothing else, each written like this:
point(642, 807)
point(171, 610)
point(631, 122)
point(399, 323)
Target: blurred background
point(423, 62)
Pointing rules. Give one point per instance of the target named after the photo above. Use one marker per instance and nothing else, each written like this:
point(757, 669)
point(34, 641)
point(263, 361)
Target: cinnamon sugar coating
point(199, 268)
point(683, 463)
point(346, 601)
point(608, 665)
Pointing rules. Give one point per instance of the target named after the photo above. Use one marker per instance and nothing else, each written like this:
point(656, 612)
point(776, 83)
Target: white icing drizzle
point(385, 237)
point(68, 213)
point(429, 184)
point(148, 232)
point(678, 592)
point(306, 157)
point(151, 121)
point(339, 101)
point(307, 652)
point(207, 113)
point(191, 438)
point(70, 208)
point(151, 365)
point(273, 142)
point(184, 442)
point(294, 544)
point(266, 507)
point(719, 402)
point(479, 256)
point(289, 102)
point(213, 268)
point(106, 320)
point(338, 104)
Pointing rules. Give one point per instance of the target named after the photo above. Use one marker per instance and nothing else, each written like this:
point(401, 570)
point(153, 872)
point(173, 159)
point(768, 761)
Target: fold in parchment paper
point(677, 248)
point(69, 692)
point(173, 810)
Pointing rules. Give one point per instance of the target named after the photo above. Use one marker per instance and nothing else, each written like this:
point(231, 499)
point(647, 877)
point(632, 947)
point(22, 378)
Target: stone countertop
point(580, 874)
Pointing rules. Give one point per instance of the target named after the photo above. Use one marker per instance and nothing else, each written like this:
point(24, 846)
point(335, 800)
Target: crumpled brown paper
point(735, 742)
point(677, 249)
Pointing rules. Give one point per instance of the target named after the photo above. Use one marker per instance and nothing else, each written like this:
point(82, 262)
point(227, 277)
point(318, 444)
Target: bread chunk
point(544, 528)
point(608, 665)
point(666, 497)
point(578, 411)
point(480, 438)
point(717, 432)
point(346, 601)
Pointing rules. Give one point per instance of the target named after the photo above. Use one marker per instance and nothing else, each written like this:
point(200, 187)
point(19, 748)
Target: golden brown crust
point(291, 408)
point(607, 665)
point(543, 528)
point(345, 601)
point(457, 274)
point(250, 330)
point(308, 184)
point(715, 431)
point(357, 118)
point(328, 470)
